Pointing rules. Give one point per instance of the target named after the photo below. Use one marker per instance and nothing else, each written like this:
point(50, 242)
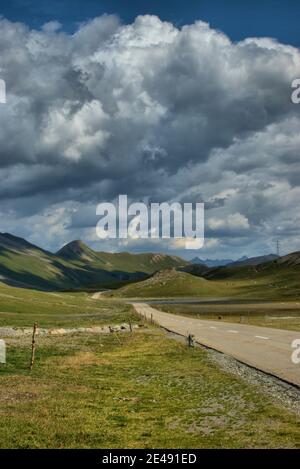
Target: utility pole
point(278, 248)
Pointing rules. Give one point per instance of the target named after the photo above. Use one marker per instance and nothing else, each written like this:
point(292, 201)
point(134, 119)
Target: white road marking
point(232, 331)
point(262, 337)
point(212, 327)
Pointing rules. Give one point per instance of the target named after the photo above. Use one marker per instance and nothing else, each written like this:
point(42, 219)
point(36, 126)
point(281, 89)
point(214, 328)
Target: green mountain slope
point(24, 264)
point(80, 254)
point(275, 280)
point(172, 283)
point(282, 265)
point(74, 266)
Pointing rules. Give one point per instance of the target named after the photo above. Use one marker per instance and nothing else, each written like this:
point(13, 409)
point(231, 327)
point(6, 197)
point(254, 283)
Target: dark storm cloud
point(148, 110)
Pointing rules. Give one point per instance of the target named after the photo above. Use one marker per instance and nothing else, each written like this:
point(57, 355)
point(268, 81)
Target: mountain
point(147, 263)
point(24, 264)
point(216, 262)
point(74, 266)
point(195, 269)
point(201, 270)
point(196, 260)
point(290, 260)
point(10, 241)
point(276, 279)
point(244, 260)
point(254, 260)
point(77, 250)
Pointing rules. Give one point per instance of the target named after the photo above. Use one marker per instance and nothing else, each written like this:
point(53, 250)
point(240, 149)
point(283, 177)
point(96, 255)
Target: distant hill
point(195, 269)
point(253, 267)
point(276, 279)
point(196, 260)
point(201, 270)
point(290, 260)
point(215, 262)
point(74, 266)
point(244, 260)
point(254, 260)
point(171, 283)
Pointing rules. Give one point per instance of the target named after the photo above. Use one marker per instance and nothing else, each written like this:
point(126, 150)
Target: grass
point(280, 286)
point(150, 391)
point(171, 283)
point(273, 280)
point(20, 307)
point(280, 315)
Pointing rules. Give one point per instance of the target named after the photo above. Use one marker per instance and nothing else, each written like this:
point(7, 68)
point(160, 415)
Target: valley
point(142, 389)
point(104, 376)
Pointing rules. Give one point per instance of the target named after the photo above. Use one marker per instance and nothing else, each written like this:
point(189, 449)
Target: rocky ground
point(19, 332)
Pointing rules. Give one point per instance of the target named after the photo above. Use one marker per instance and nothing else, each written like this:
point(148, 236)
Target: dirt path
point(97, 295)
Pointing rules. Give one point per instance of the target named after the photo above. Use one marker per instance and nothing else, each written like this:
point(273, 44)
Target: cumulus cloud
point(232, 223)
point(152, 111)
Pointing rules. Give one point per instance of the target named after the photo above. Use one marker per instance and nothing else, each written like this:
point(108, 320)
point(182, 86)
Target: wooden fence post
point(191, 340)
point(33, 346)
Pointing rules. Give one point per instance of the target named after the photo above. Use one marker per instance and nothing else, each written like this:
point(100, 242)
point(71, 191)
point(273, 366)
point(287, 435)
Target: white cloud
point(233, 222)
point(153, 111)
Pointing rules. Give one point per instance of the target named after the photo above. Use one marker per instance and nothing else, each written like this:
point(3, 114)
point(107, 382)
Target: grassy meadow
point(280, 315)
point(143, 390)
point(245, 283)
point(172, 283)
point(126, 390)
point(20, 307)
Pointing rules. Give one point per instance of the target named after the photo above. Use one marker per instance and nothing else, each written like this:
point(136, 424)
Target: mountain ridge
point(215, 262)
point(74, 266)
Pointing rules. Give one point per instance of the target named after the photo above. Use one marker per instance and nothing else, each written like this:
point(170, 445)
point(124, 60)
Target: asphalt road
point(269, 350)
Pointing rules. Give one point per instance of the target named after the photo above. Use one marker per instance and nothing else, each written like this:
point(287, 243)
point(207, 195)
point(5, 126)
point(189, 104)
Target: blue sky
point(238, 19)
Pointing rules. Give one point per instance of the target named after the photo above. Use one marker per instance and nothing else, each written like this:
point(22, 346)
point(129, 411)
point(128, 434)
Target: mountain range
point(74, 266)
point(215, 262)
point(276, 279)
point(78, 267)
point(244, 260)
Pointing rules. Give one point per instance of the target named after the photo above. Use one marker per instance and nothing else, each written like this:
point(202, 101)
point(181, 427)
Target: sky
point(239, 19)
point(162, 101)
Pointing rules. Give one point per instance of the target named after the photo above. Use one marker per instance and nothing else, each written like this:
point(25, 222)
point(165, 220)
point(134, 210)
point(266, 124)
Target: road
point(96, 296)
point(264, 348)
